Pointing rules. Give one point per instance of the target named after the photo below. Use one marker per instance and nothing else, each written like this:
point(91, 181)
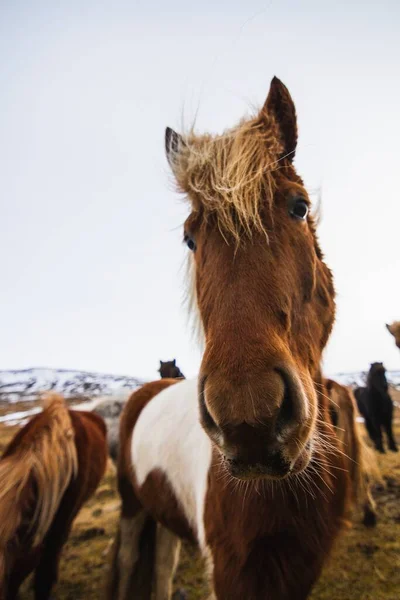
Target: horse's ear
point(388, 327)
point(279, 103)
point(173, 143)
point(174, 362)
point(161, 363)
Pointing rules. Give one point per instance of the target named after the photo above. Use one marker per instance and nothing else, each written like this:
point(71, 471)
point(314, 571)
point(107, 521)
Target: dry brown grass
point(364, 566)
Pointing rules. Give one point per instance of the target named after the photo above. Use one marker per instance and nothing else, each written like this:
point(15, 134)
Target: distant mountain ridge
point(26, 384)
point(359, 378)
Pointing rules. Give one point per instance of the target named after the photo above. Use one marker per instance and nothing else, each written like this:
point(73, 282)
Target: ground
point(365, 564)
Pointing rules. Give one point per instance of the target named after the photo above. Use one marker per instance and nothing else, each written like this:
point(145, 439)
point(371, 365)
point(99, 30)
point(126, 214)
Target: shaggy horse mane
point(45, 462)
point(230, 176)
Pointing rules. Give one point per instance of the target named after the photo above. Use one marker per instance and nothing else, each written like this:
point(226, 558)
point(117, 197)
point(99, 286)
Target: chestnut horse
point(244, 460)
point(394, 329)
point(48, 470)
point(360, 459)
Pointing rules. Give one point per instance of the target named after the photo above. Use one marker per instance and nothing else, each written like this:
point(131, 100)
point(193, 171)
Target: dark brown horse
point(360, 460)
point(376, 406)
point(244, 460)
point(49, 469)
point(170, 369)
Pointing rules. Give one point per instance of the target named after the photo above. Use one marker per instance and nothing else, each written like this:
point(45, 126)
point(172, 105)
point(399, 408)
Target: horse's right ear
point(280, 105)
point(173, 144)
point(388, 327)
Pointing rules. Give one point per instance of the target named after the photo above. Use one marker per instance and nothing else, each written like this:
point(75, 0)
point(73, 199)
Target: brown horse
point(394, 329)
point(361, 462)
point(170, 370)
point(244, 460)
point(49, 469)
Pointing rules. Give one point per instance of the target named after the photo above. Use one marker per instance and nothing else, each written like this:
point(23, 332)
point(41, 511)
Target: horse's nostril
point(286, 410)
point(286, 414)
point(205, 417)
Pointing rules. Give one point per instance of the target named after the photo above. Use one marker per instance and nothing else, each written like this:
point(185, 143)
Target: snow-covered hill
point(359, 378)
point(26, 384)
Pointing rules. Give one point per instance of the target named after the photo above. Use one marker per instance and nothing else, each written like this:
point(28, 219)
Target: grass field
point(365, 564)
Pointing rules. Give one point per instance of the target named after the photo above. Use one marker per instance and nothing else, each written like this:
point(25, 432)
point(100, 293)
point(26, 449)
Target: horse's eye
point(189, 241)
point(299, 209)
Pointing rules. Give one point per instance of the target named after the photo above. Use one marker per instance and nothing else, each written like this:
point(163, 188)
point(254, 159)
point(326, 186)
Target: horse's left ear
point(173, 144)
point(279, 103)
point(174, 362)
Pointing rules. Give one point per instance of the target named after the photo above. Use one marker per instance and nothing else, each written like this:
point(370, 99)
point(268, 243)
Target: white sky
point(90, 227)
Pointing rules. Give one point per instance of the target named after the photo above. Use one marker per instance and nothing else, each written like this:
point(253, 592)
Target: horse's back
point(171, 455)
point(91, 445)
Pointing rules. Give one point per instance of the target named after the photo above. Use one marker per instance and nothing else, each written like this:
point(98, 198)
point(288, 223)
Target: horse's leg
point(369, 428)
point(130, 577)
point(11, 593)
point(46, 573)
point(387, 425)
point(379, 439)
point(374, 433)
point(167, 558)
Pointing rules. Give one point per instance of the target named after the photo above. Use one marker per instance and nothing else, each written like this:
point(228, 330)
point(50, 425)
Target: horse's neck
point(377, 388)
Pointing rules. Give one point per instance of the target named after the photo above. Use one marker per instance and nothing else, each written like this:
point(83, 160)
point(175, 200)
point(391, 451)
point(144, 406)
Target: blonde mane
point(36, 474)
point(231, 175)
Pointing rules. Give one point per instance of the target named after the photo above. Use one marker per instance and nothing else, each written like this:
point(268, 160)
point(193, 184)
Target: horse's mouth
point(277, 467)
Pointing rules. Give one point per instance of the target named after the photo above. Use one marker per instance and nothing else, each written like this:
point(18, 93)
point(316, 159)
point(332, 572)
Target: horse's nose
point(276, 405)
point(257, 428)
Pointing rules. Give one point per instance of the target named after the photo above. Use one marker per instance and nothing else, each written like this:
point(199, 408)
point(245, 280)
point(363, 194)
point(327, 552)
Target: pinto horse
point(48, 470)
point(376, 406)
point(361, 463)
point(244, 460)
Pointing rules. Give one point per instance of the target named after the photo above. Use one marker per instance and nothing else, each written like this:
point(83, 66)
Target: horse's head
point(394, 329)
point(169, 369)
point(263, 293)
point(377, 377)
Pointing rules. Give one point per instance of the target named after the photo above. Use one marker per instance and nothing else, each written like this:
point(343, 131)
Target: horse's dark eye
point(191, 244)
point(299, 209)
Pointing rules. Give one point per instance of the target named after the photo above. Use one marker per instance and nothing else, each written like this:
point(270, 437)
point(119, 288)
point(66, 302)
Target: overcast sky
point(90, 229)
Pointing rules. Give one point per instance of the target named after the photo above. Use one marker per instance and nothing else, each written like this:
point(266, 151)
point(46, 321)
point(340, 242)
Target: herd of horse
point(258, 461)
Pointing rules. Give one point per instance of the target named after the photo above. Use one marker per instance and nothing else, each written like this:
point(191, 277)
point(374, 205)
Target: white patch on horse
point(168, 436)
